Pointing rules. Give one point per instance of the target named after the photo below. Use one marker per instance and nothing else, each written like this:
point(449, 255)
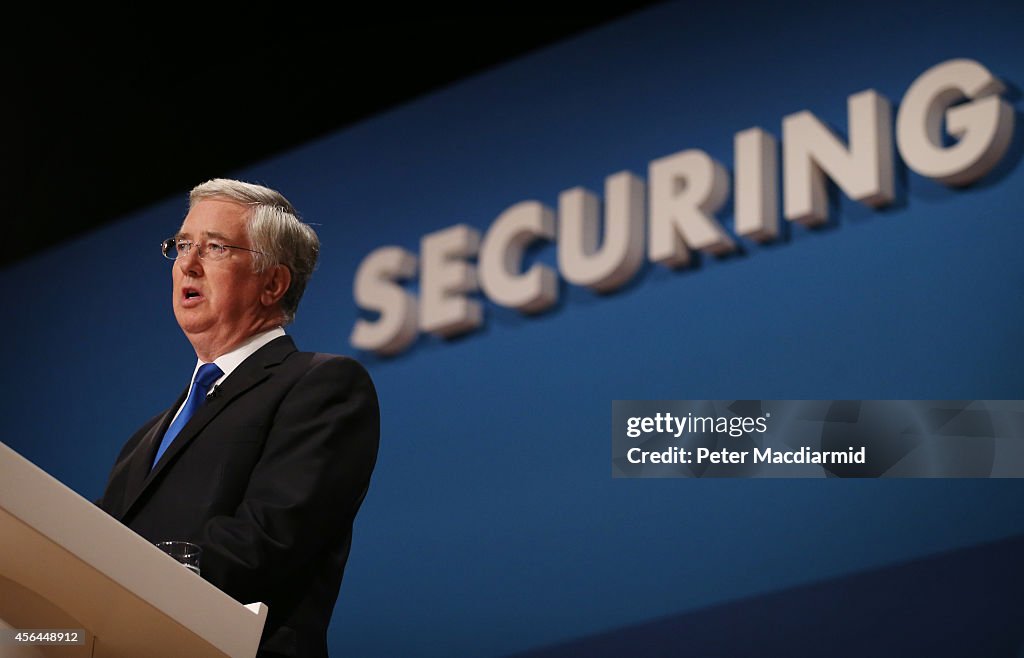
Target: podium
point(66, 564)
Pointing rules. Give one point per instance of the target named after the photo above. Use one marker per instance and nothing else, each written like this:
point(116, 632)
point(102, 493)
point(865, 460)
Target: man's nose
point(190, 263)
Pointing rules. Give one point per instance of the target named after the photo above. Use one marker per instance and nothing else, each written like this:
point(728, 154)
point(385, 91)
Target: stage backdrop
point(493, 524)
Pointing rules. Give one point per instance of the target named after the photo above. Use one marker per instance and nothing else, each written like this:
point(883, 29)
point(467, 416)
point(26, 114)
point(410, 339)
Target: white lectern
point(66, 564)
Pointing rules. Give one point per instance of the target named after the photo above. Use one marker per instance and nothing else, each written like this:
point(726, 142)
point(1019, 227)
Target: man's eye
point(215, 248)
point(182, 245)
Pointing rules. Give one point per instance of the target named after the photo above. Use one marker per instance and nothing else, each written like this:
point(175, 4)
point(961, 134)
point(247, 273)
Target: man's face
point(217, 303)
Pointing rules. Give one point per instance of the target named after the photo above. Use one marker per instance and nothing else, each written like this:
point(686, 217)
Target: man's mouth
point(191, 296)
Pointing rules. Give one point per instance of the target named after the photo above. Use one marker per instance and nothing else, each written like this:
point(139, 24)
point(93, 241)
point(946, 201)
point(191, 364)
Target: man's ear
point(276, 282)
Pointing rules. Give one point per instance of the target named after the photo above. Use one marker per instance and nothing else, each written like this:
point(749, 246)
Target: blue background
point(493, 524)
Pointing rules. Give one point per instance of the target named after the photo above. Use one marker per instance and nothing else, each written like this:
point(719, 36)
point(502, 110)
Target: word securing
point(671, 215)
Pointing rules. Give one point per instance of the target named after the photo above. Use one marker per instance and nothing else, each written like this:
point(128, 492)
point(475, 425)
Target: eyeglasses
point(173, 249)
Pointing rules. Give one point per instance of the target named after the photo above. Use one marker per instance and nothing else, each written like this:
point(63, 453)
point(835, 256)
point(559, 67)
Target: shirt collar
point(228, 362)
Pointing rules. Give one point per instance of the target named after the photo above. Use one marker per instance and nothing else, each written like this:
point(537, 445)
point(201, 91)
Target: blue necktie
point(208, 373)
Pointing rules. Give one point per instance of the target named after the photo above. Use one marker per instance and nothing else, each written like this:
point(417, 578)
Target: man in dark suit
point(266, 472)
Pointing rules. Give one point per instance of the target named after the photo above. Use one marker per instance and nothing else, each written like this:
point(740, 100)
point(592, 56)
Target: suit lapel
point(138, 464)
point(253, 371)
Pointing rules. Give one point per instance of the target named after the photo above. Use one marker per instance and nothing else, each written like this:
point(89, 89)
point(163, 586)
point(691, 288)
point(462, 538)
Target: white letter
point(983, 127)
point(444, 310)
point(686, 190)
point(810, 150)
point(757, 179)
point(622, 251)
point(501, 257)
point(375, 290)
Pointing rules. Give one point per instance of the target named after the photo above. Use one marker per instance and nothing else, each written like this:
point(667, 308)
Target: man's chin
point(191, 322)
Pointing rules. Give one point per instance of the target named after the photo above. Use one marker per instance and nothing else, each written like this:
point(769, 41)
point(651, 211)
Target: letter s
point(375, 289)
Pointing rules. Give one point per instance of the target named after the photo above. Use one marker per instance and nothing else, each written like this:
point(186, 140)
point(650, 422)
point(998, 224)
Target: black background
point(107, 114)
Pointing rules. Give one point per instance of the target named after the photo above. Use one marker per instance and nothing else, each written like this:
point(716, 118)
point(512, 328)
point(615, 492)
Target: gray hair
point(275, 231)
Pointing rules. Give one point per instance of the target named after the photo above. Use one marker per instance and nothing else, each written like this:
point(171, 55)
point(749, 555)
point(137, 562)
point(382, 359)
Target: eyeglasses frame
point(173, 242)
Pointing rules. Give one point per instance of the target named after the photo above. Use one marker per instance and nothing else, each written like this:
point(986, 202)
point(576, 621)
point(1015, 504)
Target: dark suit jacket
point(267, 477)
